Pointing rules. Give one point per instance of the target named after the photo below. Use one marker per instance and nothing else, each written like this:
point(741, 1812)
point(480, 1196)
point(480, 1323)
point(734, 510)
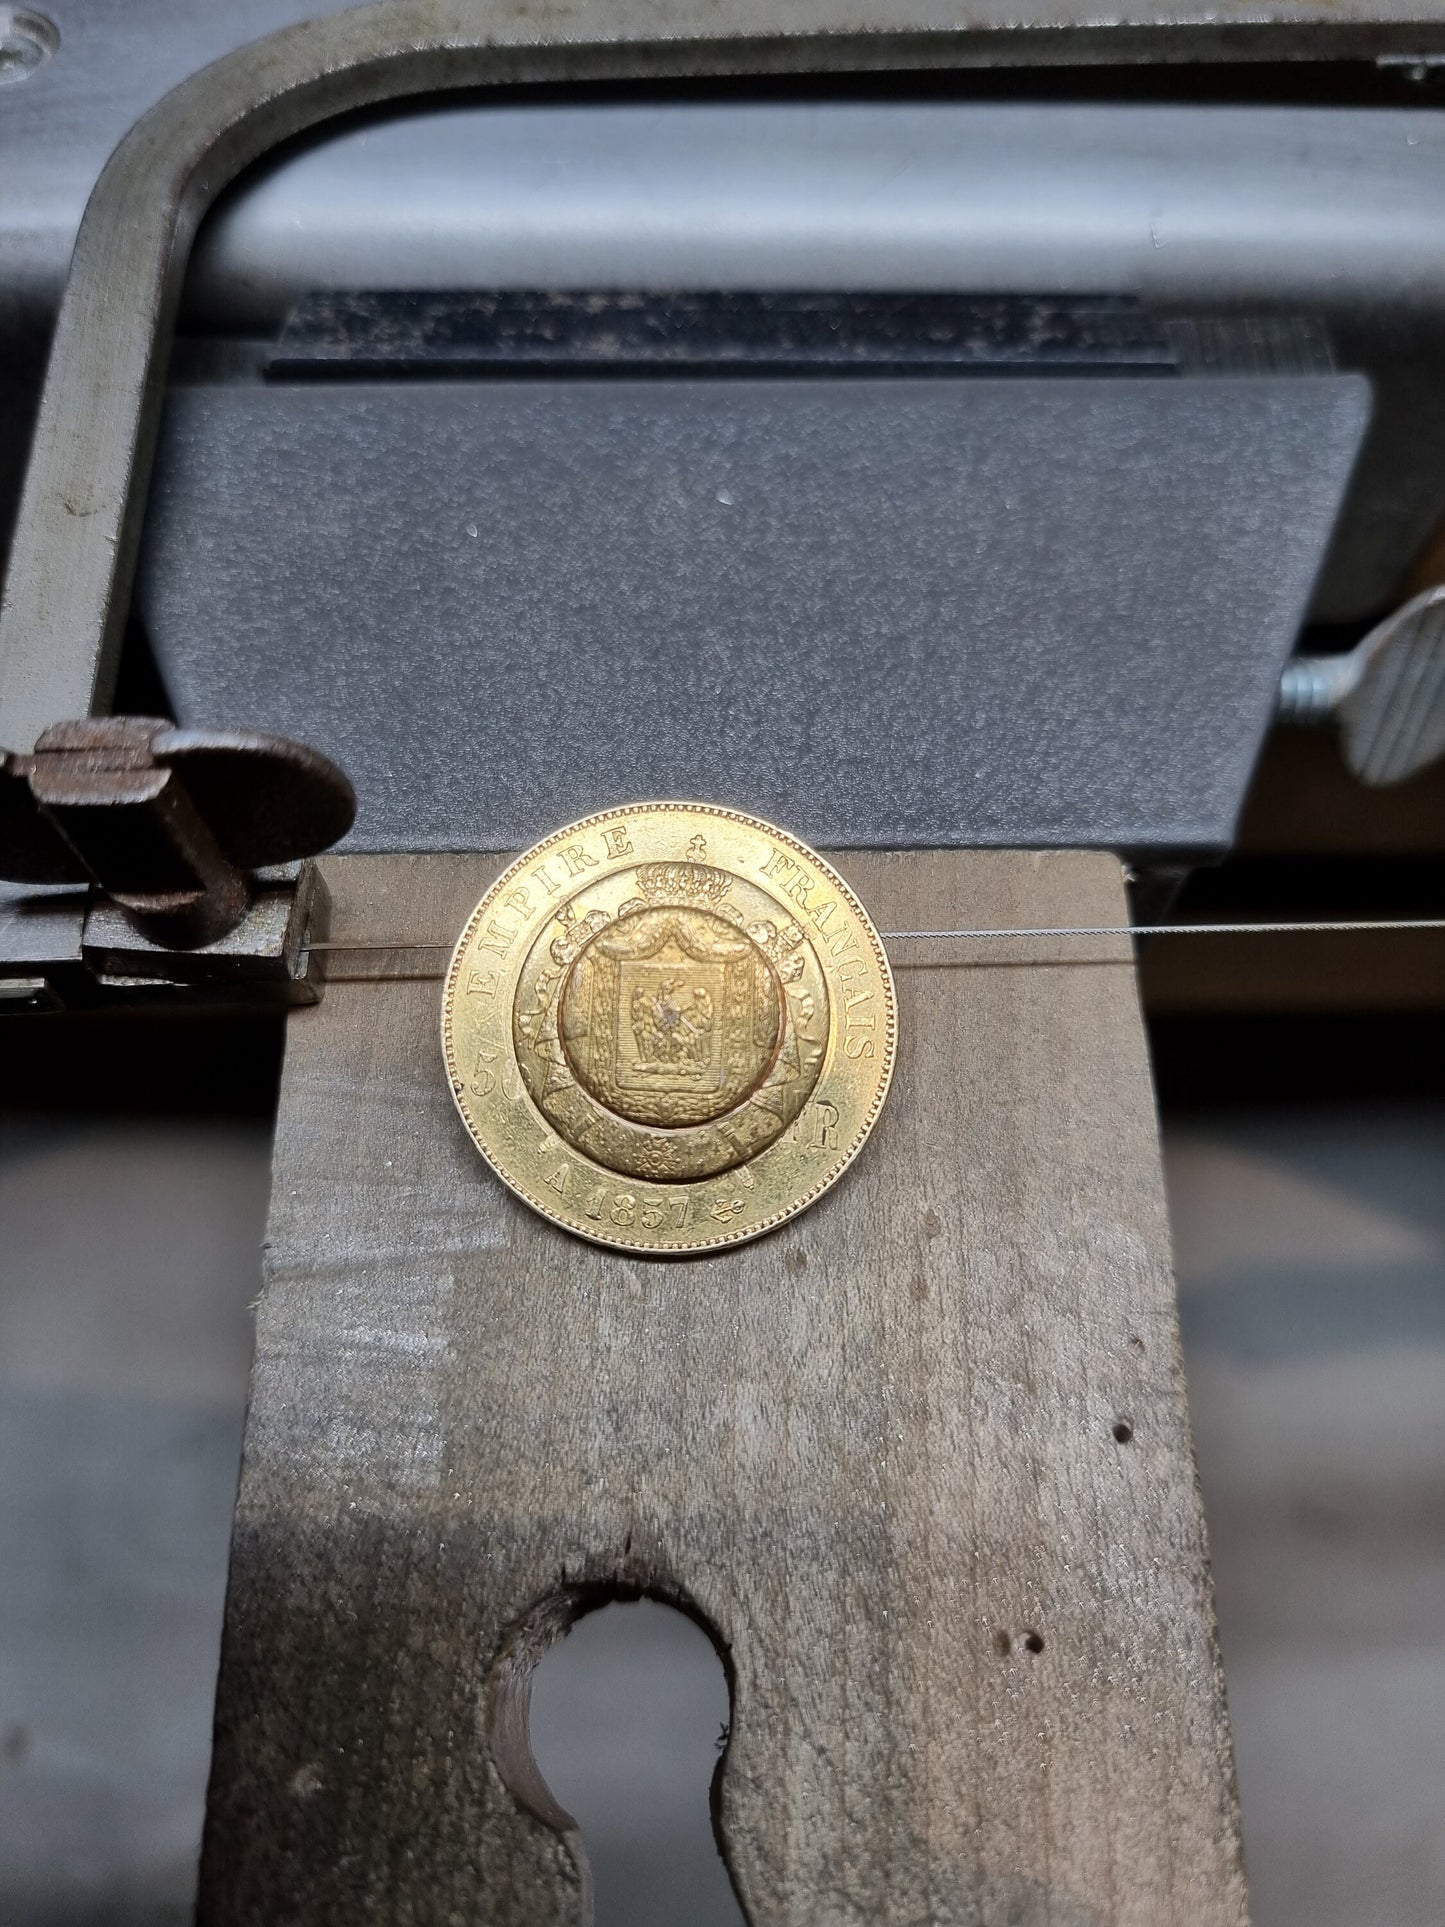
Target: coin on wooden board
point(669, 1027)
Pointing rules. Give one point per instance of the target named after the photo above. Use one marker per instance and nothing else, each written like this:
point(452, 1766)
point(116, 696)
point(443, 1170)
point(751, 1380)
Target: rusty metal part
point(267, 959)
point(72, 949)
point(74, 547)
point(168, 822)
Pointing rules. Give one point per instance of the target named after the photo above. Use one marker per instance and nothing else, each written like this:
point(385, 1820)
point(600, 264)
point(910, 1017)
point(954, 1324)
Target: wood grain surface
point(919, 1461)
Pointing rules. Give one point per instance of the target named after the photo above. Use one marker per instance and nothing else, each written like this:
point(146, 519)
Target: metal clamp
point(1387, 693)
point(162, 860)
point(168, 822)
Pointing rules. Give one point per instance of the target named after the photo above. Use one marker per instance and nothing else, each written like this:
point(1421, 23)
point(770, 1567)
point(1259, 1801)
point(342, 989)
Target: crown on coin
point(694, 882)
point(696, 885)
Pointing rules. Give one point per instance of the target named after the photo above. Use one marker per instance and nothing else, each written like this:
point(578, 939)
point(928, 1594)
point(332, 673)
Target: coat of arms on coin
point(669, 1028)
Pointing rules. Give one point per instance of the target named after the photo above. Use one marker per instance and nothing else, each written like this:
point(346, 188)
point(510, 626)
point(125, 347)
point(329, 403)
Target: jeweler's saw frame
point(73, 555)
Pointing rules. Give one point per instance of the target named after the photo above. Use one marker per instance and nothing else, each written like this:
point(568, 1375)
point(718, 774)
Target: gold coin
point(669, 1027)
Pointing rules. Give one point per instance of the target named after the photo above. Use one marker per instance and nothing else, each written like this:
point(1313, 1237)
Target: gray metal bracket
point(72, 949)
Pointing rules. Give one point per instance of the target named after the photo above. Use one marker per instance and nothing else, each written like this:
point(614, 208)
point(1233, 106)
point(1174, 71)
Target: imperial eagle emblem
point(672, 1026)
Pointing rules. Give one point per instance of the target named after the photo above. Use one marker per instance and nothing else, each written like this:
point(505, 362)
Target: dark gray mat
point(884, 612)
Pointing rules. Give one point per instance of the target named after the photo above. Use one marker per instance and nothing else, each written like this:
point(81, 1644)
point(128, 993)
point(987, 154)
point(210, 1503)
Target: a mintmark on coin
point(682, 990)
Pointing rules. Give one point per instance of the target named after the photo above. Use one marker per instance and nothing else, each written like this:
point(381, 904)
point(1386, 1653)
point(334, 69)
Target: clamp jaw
point(152, 857)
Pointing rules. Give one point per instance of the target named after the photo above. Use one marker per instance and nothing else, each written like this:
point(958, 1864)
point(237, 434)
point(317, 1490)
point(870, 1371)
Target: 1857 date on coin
point(669, 1027)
